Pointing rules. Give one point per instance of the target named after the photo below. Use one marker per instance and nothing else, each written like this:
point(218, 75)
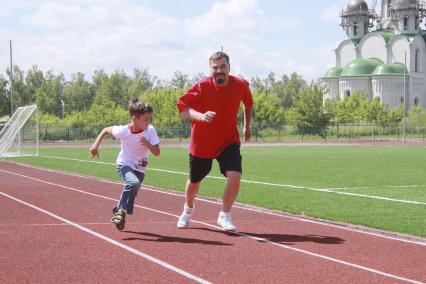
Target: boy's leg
point(132, 184)
point(134, 192)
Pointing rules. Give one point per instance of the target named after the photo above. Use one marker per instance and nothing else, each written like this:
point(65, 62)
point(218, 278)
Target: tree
point(19, 94)
point(78, 95)
point(49, 95)
point(163, 102)
point(180, 81)
point(33, 80)
point(112, 88)
point(307, 113)
point(4, 97)
point(141, 82)
point(266, 110)
point(288, 88)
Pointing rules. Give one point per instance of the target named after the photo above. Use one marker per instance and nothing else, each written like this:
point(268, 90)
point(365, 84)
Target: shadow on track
point(284, 238)
point(166, 239)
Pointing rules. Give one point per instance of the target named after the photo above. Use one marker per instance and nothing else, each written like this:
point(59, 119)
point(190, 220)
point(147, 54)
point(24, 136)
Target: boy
point(137, 139)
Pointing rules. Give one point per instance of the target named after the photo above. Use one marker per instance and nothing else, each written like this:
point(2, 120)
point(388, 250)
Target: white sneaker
point(184, 219)
point(225, 221)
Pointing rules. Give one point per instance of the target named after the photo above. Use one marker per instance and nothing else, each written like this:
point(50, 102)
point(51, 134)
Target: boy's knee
point(136, 185)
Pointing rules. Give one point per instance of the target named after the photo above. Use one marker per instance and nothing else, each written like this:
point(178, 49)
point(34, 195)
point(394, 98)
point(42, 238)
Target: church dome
point(357, 6)
point(361, 67)
point(390, 69)
point(333, 72)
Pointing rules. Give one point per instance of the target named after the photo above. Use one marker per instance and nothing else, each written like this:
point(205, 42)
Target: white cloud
point(236, 20)
point(86, 35)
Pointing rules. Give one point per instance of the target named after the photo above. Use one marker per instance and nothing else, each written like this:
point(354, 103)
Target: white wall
point(398, 46)
point(346, 52)
point(354, 84)
point(390, 89)
point(374, 46)
point(331, 87)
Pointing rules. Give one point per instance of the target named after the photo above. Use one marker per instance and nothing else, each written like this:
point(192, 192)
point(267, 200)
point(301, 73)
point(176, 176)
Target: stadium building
point(384, 54)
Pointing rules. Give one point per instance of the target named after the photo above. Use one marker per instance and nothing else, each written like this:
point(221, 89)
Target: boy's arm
point(94, 149)
point(155, 149)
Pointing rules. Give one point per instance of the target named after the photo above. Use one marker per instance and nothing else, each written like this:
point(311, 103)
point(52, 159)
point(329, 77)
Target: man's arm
point(194, 115)
point(247, 121)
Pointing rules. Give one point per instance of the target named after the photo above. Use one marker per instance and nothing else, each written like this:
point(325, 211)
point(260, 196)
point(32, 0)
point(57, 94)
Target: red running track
point(54, 228)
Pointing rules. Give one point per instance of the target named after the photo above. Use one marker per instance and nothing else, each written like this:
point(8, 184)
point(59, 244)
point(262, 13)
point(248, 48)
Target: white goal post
point(19, 136)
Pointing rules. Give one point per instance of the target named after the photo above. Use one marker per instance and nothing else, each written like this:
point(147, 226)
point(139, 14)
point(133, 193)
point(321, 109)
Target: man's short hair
point(219, 55)
point(138, 107)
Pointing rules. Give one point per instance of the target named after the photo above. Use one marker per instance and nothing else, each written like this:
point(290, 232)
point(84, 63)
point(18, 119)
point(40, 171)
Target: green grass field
point(338, 183)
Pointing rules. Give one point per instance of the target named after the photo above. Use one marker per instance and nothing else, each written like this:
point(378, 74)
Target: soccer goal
point(19, 136)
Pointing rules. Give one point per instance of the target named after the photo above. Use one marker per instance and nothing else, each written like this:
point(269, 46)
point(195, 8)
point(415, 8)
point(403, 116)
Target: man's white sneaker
point(225, 221)
point(184, 219)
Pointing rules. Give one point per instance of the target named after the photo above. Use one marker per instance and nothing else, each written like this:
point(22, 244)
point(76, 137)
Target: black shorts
point(229, 160)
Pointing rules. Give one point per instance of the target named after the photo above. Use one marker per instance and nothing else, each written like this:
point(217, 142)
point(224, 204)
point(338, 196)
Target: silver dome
point(357, 6)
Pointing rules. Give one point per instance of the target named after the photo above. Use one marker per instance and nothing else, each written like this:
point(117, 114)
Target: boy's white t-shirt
point(133, 152)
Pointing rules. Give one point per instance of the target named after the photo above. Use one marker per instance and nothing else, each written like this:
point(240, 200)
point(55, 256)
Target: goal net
point(19, 136)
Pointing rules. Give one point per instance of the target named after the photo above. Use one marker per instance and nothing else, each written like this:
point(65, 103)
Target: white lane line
point(366, 231)
point(241, 234)
point(111, 241)
point(324, 190)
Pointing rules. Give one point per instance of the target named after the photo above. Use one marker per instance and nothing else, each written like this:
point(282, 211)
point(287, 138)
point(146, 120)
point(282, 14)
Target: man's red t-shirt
point(208, 140)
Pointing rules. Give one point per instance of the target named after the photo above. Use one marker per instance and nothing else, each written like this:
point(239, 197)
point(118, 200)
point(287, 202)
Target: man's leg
point(188, 208)
point(231, 190)
point(198, 169)
point(230, 166)
point(191, 192)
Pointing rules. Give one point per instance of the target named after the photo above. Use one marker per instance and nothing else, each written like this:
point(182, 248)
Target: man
point(212, 105)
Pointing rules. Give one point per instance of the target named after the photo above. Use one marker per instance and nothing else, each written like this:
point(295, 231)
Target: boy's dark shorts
point(229, 160)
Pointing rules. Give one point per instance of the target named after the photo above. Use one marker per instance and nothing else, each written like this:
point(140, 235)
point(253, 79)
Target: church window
point(417, 22)
point(417, 61)
point(347, 94)
point(405, 23)
point(401, 100)
point(355, 29)
point(416, 101)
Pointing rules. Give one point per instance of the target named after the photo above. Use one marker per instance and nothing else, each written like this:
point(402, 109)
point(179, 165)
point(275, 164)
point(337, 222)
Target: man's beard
point(220, 78)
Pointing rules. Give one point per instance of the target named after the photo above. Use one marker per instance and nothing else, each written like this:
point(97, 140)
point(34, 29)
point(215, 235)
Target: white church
point(384, 54)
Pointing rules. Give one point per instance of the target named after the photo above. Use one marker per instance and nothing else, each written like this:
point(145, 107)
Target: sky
point(164, 36)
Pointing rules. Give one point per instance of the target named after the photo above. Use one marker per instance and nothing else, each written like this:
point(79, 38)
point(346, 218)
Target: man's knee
point(233, 176)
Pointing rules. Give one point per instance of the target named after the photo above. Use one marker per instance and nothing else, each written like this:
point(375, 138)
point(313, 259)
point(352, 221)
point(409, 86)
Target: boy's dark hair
point(218, 55)
point(138, 107)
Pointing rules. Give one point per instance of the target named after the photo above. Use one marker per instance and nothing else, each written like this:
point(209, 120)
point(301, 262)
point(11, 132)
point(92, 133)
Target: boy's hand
point(94, 153)
point(143, 140)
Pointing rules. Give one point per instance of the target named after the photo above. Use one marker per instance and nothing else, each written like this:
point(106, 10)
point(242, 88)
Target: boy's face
point(142, 121)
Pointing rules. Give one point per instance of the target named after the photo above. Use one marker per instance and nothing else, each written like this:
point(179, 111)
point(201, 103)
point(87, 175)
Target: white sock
point(188, 209)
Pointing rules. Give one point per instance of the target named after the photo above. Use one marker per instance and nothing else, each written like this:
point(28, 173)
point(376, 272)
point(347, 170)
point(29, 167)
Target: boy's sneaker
point(114, 209)
point(184, 219)
point(225, 221)
point(119, 218)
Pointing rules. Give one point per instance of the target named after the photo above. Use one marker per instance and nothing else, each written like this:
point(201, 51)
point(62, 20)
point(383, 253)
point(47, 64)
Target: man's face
point(219, 70)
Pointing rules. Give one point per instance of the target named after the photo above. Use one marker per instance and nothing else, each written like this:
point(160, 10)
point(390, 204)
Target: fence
point(270, 133)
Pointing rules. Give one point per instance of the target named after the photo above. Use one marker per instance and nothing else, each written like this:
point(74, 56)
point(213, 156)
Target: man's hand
point(94, 153)
point(208, 116)
point(247, 134)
